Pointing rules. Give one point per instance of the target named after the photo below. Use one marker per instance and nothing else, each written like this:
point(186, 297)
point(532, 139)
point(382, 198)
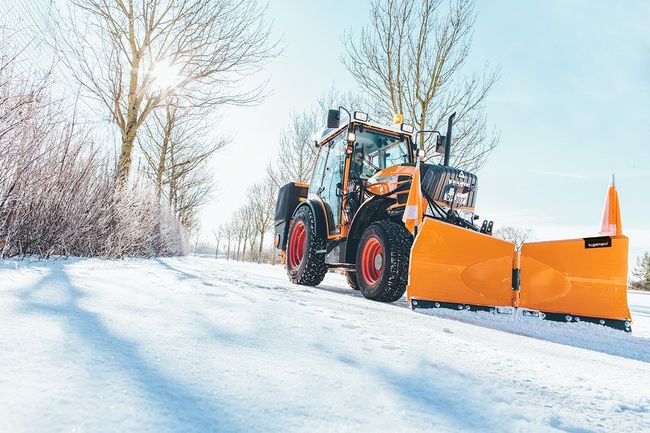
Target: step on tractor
point(350, 217)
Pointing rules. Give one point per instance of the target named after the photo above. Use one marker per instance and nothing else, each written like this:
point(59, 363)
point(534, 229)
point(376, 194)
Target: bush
point(56, 188)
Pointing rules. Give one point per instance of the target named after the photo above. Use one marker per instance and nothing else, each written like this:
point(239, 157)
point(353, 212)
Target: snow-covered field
point(201, 345)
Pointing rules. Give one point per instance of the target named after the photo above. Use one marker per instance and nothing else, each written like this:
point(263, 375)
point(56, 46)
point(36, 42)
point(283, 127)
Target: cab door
point(329, 176)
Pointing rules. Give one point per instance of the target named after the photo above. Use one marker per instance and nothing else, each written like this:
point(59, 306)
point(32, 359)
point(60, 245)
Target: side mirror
point(441, 144)
point(333, 118)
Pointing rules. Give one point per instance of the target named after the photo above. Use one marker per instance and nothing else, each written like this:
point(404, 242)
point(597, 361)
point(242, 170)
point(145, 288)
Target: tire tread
point(313, 268)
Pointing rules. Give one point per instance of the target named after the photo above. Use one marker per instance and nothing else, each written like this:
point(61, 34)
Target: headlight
point(360, 116)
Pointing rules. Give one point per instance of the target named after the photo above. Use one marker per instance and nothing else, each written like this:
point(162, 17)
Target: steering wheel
point(370, 163)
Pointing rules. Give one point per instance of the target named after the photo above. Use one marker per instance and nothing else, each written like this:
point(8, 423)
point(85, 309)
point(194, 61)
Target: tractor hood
point(389, 178)
point(445, 185)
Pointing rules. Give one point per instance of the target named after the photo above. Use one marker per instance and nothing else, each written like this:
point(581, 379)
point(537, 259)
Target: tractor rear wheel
point(305, 259)
point(383, 260)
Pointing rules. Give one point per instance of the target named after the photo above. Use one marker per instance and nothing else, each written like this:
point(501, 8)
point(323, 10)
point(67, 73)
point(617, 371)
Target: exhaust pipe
point(450, 123)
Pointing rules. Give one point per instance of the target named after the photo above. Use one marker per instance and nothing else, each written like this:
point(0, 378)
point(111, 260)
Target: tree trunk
point(243, 253)
point(124, 163)
point(259, 258)
point(252, 246)
point(131, 125)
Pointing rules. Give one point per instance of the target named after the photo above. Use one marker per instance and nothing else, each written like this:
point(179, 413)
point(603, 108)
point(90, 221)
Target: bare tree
point(132, 55)
point(178, 146)
point(516, 235)
point(156, 144)
point(242, 221)
point(230, 236)
point(238, 230)
point(410, 60)
point(262, 199)
point(218, 233)
point(251, 243)
point(297, 156)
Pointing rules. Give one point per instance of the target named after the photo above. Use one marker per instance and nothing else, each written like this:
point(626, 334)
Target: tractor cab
point(351, 158)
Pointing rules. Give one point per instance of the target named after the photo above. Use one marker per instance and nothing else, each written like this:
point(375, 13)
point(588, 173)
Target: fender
point(370, 211)
point(318, 211)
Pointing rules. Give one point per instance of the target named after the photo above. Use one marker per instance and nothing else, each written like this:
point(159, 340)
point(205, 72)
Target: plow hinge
point(516, 278)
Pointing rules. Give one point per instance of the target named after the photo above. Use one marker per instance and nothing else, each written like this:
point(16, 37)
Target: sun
point(166, 76)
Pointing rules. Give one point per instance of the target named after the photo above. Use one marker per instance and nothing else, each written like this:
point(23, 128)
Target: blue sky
point(572, 105)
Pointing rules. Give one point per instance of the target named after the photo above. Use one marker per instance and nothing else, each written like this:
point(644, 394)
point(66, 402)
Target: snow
point(198, 344)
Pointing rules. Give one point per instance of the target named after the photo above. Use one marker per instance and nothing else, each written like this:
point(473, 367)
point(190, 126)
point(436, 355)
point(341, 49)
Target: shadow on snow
point(173, 398)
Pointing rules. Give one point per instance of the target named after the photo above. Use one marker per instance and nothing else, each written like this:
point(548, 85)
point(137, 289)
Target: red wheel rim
point(372, 260)
point(297, 244)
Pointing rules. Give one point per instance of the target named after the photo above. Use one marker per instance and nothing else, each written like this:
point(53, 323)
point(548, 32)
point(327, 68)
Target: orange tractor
point(351, 215)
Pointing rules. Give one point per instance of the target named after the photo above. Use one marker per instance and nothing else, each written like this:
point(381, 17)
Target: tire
point(305, 265)
point(383, 261)
point(352, 279)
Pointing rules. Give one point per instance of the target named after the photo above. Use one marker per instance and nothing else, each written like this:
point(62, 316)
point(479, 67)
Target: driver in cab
point(357, 169)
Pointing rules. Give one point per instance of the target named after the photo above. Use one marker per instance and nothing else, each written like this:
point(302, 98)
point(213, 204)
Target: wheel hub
point(297, 244)
point(379, 260)
point(372, 260)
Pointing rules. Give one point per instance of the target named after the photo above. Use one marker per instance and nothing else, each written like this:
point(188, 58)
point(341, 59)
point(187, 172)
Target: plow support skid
point(578, 277)
point(450, 264)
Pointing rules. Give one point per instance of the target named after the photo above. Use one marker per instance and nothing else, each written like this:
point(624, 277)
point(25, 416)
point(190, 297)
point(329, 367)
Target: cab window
point(374, 151)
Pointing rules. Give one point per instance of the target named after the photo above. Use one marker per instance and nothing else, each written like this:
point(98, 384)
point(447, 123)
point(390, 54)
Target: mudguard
point(576, 278)
point(450, 264)
point(318, 211)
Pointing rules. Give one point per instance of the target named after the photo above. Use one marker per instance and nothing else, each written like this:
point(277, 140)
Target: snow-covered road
point(202, 345)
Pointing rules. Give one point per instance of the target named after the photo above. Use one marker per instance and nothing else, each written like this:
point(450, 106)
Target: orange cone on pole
point(414, 206)
point(611, 223)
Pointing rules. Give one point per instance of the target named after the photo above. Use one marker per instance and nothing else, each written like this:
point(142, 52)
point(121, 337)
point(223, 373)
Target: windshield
point(374, 151)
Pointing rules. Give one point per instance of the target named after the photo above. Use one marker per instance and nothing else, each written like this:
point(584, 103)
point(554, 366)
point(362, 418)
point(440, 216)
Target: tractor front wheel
point(382, 261)
point(305, 259)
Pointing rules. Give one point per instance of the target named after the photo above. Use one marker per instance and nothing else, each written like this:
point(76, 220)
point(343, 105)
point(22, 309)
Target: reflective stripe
point(410, 212)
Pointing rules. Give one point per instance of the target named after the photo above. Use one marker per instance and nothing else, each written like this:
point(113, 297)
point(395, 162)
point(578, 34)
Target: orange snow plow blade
point(570, 280)
point(454, 267)
point(577, 280)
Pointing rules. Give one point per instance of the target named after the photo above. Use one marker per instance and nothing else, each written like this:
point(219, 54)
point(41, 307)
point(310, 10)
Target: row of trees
point(152, 71)
point(244, 236)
